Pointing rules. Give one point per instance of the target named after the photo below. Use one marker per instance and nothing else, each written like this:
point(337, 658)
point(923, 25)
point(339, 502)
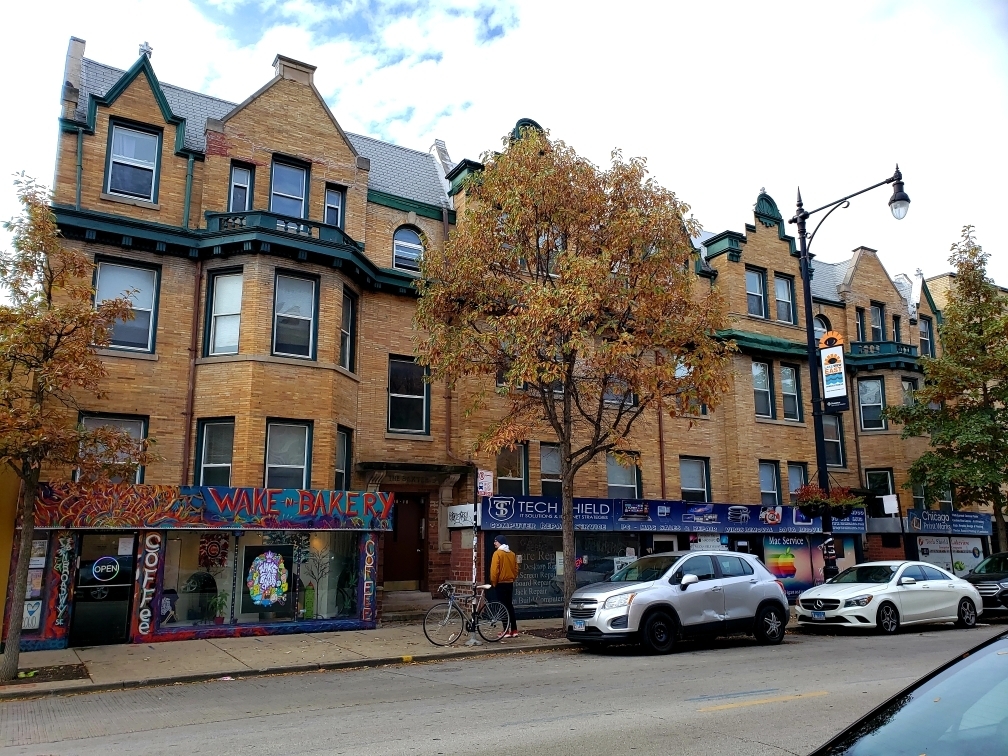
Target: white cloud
point(723, 98)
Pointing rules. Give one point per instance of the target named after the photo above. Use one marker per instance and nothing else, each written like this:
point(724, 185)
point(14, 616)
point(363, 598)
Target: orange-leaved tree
point(49, 331)
point(570, 291)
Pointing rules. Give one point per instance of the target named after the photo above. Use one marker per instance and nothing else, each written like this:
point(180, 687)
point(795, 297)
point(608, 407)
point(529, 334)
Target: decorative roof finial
point(146, 49)
point(762, 190)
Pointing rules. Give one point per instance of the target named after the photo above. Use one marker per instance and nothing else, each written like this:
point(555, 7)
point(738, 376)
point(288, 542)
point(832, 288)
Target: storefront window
point(197, 583)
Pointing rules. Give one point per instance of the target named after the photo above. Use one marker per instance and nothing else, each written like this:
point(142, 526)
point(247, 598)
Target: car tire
point(967, 614)
point(887, 620)
point(771, 624)
point(658, 633)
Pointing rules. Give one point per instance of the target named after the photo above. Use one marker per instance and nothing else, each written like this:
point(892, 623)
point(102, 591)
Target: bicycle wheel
point(443, 624)
point(493, 622)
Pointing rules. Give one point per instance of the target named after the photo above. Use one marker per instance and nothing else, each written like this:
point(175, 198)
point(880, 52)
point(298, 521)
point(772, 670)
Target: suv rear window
point(733, 566)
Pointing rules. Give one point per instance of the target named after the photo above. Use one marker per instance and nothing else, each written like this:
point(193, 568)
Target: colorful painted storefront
point(134, 563)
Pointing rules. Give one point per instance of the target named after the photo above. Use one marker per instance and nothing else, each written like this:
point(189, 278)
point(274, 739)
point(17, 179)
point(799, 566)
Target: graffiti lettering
point(66, 545)
point(151, 558)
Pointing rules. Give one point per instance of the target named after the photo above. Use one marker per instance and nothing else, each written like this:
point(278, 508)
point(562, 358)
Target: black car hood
point(987, 577)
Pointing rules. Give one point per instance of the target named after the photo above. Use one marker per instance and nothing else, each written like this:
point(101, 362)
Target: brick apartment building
point(271, 256)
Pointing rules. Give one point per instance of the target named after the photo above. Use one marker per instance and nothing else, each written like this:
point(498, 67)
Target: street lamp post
point(899, 203)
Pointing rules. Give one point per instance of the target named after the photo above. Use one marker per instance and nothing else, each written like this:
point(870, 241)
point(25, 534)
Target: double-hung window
point(135, 428)
point(140, 285)
point(909, 389)
point(511, 471)
point(784, 291)
point(334, 206)
point(407, 249)
point(871, 398)
point(755, 286)
point(797, 476)
point(294, 316)
point(216, 451)
point(549, 471)
point(833, 435)
point(344, 457)
point(926, 336)
point(919, 499)
point(859, 323)
point(820, 325)
point(763, 389)
point(408, 396)
point(790, 392)
point(693, 477)
point(622, 480)
point(769, 483)
point(133, 163)
point(287, 194)
point(240, 198)
point(877, 322)
point(348, 332)
point(897, 328)
point(879, 482)
point(225, 313)
point(287, 454)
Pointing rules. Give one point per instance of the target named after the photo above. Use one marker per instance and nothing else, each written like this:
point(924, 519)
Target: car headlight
point(615, 602)
point(858, 601)
point(1003, 585)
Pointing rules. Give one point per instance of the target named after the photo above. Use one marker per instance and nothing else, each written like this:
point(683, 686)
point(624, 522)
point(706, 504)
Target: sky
point(722, 98)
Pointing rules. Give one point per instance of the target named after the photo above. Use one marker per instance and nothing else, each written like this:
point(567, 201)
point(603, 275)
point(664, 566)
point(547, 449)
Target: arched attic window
point(407, 249)
point(821, 326)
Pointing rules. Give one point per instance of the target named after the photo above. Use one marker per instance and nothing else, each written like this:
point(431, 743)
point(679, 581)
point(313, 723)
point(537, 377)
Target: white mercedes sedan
point(885, 595)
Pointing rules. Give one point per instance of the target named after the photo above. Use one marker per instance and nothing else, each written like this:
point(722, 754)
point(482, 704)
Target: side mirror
point(688, 580)
point(908, 581)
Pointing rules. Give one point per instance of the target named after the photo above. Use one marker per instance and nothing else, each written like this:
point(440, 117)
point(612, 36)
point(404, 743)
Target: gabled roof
point(828, 277)
point(397, 171)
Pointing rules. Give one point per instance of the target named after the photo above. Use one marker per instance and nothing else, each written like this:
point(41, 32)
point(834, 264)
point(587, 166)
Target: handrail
point(883, 347)
point(286, 224)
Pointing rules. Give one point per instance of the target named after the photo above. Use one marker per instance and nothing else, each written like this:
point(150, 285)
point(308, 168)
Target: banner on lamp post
point(831, 358)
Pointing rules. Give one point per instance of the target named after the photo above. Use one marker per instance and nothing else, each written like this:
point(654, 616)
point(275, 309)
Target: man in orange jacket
point(503, 572)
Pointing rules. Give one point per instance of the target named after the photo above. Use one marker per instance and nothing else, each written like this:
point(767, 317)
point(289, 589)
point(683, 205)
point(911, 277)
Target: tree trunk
point(12, 647)
point(567, 521)
point(999, 522)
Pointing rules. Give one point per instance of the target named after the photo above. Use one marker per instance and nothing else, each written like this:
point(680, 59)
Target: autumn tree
point(570, 292)
point(49, 331)
point(963, 404)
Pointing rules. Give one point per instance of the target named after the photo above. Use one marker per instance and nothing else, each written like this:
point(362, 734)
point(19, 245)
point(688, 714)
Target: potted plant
point(812, 501)
point(218, 605)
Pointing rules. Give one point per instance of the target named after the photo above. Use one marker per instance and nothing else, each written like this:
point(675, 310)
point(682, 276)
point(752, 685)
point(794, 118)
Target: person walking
point(503, 573)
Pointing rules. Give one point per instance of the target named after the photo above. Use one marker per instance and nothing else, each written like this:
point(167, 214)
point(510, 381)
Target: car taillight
point(781, 584)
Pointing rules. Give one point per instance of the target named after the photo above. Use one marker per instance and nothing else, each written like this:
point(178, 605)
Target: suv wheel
point(658, 633)
point(887, 620)
point(770, 625)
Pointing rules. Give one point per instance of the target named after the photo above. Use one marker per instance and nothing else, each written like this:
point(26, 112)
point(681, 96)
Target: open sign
point(105, 568)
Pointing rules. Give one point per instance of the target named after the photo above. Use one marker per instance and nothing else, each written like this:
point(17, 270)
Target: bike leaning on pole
point(445, 622)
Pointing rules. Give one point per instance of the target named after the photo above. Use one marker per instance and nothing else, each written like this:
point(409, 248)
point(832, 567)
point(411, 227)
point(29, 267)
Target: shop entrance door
point(104, 589)
point(404, 546)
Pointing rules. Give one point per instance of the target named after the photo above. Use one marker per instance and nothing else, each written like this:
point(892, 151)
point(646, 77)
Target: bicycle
point(445, 622)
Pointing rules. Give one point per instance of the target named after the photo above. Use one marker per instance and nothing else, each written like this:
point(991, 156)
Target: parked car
point(990, 578)
point(957, 710)
point(885, 595)
point(663, 597)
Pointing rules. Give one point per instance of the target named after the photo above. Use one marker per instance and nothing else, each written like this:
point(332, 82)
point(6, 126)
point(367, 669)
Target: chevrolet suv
point(661, 598)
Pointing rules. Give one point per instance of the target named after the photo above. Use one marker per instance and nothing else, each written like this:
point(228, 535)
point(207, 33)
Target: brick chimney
point(72, 77)
point(295, 70)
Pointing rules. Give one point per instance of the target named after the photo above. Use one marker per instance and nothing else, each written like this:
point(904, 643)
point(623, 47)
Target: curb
point(20, 692)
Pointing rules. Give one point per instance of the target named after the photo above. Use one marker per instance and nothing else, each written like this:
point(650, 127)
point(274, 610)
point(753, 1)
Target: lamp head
point(899, 203)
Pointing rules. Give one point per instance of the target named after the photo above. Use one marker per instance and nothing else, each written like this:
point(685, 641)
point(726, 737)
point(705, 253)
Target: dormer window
point(133, 163)
point(287, 195)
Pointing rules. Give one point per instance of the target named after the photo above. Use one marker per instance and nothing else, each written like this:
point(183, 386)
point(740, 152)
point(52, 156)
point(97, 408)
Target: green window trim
point(291, 162)
point(124, 123)
point(317, 281)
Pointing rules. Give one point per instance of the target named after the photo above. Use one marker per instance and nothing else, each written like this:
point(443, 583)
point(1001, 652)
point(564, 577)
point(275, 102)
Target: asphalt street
point(729, 696)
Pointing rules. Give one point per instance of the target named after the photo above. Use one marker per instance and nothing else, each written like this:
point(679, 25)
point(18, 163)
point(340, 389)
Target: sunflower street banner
point(834, 380)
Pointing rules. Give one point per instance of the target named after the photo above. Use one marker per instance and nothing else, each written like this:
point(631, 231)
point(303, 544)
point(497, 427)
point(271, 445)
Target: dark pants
point(505, 594)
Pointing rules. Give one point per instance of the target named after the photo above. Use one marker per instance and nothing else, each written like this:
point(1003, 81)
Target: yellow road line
point(761, 701)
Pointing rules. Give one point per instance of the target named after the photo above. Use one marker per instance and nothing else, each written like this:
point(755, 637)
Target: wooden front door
point(404, 546)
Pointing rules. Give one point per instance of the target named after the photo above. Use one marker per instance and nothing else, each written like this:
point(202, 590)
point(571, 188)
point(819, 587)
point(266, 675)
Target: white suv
point(663, 597)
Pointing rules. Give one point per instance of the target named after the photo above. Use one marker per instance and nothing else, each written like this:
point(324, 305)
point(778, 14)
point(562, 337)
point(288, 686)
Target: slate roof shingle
point(395, 170)
point(827, 278)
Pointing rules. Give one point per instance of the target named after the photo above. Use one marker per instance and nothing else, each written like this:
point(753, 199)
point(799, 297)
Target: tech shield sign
point(834, 380)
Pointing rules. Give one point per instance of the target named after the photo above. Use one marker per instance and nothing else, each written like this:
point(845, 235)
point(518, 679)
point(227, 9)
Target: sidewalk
point(138, 665)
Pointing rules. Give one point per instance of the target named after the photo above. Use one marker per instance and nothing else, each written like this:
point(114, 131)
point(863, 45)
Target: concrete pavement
point(135, 665)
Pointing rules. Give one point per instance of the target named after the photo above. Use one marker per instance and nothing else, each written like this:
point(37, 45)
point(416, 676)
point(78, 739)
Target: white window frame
point(274, 192)
point(519, 451)
point(276, 314)
point(152, 309)
point(247, 186)
point(926, 324)
point(123, 160)
point(203, 451)
point(426, 402)
point(547, 477)
point(789, 285)
point(889, 478)
point(214, 314)
point(761, 277)
point(876, 312)
point(622, 489)
point(775, 491)
point(796, 377)
point(118, 421)
point(410, 246)
point(704, 476)
point(331, 192)
point(838, 441)
point(304, 467)
point(768, 390)
point(881, 403)
point(801, 478)
point(348, 318)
